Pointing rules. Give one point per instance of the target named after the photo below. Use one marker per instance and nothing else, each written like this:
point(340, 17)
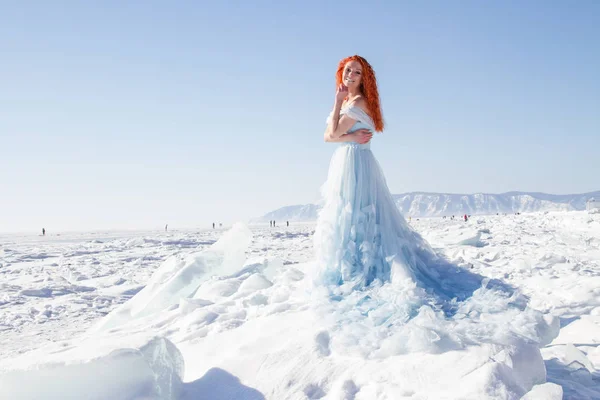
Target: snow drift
point(265, 329)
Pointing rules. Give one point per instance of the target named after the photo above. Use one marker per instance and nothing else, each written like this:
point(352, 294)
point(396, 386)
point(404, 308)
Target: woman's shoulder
point(359, 111)
point(360, 103)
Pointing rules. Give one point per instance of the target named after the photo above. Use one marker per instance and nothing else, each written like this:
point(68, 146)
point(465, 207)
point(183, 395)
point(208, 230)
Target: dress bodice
point(363, 121)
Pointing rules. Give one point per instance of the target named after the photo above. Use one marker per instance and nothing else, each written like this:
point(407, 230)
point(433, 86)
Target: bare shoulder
point(360, 103)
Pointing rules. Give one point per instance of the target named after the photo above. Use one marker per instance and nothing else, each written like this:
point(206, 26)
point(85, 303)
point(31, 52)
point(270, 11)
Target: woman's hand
point(362, 136)
point(341, 93)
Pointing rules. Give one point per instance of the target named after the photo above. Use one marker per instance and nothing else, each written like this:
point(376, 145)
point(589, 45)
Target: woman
point(361, 237)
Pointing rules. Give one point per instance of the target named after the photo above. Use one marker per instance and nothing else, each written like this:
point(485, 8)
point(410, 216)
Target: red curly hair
point(368, 87)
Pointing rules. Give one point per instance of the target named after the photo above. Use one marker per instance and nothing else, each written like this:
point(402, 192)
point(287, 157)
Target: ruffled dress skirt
point(360, 232)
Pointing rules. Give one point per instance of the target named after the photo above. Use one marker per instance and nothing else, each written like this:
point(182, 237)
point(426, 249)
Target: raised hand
point(341, 93)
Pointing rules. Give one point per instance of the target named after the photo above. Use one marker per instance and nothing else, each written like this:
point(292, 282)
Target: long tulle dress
point(380, 272)
point(360, 232)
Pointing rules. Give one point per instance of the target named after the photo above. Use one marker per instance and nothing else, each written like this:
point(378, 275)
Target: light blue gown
point(380, 273)
point(361, 236)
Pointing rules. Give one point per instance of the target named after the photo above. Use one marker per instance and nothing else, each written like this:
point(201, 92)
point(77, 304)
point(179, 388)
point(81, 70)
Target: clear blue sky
point(136, 114)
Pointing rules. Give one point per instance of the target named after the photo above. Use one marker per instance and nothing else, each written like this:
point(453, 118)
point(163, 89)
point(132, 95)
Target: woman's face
point(352, 75)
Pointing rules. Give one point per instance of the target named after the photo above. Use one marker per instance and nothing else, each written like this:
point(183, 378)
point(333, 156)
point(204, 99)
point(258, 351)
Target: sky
point(125, 115)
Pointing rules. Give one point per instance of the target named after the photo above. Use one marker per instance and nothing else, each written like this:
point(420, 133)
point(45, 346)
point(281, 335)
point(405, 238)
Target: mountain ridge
point(432, 204)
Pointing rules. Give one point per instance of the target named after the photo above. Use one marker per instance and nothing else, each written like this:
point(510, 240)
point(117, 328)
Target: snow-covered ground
point(222, 320)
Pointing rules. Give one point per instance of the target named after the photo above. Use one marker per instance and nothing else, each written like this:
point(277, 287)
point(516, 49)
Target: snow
point(593, 206)
point(151, 369)
point(419, 204)
point(222, 314)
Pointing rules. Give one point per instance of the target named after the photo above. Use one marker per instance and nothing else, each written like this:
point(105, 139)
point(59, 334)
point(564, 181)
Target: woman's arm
point(337, 126)
point(360, 136)
point(347, 137)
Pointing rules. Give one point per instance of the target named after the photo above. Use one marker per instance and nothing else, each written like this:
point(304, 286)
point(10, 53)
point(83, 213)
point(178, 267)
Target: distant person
point(213, 225)
point(465, 217)
point(288, 223)
point(166, 227)
point(43, 231)
point(273, 223)
point(220, 224)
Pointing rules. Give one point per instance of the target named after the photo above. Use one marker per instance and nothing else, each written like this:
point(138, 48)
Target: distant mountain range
point(421, 204)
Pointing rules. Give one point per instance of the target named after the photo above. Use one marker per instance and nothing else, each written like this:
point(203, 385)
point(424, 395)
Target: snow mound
point(546, 391)
point(152, 370)
point(180, 278)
